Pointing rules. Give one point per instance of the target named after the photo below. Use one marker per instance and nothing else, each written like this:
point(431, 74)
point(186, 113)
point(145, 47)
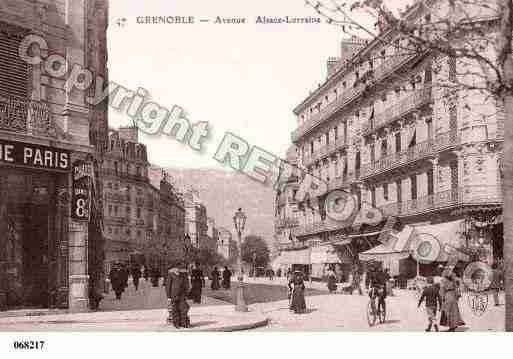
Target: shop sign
point(82, 175)
point(34, 156)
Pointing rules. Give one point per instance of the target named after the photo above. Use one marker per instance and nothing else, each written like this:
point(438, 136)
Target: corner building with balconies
point(380, 128)
point(130, 203)
point(50, 222)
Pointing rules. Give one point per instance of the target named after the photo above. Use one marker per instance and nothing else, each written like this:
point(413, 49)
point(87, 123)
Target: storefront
point(43, 246)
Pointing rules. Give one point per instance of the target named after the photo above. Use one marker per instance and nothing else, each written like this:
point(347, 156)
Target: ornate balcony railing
point(419, 151)
point(465, 195)
point(26, 116)
point(391, 63)
point(286, 222)
point(389, 66)
point(346, 96)
point(413, 101)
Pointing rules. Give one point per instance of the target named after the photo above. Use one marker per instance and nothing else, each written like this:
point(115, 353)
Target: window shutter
point(13, 70)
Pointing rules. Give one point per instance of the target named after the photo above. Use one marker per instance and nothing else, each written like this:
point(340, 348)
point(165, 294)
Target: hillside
point(223, 191)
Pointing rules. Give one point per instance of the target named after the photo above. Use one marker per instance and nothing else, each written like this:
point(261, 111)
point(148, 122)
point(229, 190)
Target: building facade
point(381, 129)
point(212, 234)
point(130, 202)
point(49, 139)
point(196, 225)
point(171, 223)
point(223, 245)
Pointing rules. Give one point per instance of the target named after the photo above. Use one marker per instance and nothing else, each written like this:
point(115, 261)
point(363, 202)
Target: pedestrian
point(450, 293)
point(155, 276)
point(197, 283)
point(357, 281)
point(227, 278)
point(177, 289)
point(116, 280)
point(431, 293)
point(331, 279)
point(214, 285)
point(136, 274)
point(278, 272)
point(495, 285)
point(126, 274)
point(297, 293)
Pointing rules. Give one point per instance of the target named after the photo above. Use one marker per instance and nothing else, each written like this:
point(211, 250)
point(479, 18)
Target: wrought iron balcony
point(460, 196)
point(286, 222)
point(26, 116)
point(347, 96)
point(413, 101)
point(417, 152)
point(391, 64)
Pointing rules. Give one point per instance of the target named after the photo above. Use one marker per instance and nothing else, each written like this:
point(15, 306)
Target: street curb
point(234, 328)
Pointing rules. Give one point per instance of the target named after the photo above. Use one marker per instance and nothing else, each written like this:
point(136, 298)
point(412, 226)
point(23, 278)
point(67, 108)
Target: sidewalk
point(206, 318)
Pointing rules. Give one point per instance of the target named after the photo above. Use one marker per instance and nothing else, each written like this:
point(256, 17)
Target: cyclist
point(378, 289)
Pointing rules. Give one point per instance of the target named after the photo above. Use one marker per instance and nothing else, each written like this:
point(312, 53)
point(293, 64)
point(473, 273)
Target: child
point(432, 295)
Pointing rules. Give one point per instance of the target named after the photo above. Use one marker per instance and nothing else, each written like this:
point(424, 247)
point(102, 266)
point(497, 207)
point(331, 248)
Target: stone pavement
point(141, 310)
point(348, 313)
point(206, 318)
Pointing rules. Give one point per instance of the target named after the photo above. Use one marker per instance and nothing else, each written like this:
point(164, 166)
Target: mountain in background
point(223, 192)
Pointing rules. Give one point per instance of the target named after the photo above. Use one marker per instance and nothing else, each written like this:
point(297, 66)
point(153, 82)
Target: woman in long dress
point(297, 293)
point(450, 293)
point(197, 283)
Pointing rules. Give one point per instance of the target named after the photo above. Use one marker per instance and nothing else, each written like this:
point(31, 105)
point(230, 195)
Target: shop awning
point(301, 256)
point(397, 247)
point(324, 254)
point(448, 233)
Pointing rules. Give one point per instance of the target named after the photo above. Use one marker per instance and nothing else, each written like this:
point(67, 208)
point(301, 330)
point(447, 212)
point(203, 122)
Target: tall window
point(327, 138)
point(399, 191)
point(384, 146)
point(13, 70)
point(413, 181)
point(335, 131)
point(385, 191)
point(398, 142)
point(430, 184)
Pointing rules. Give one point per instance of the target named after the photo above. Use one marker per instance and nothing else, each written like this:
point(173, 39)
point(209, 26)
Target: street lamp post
point(239, 220)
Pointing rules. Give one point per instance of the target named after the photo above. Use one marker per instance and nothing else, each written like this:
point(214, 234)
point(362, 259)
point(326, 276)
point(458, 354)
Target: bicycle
point(374, 315)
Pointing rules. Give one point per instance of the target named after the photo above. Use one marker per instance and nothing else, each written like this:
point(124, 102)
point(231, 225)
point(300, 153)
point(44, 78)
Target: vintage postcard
point(259, 166)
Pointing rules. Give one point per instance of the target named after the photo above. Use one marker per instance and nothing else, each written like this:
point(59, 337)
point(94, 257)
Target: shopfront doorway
point(30, 220)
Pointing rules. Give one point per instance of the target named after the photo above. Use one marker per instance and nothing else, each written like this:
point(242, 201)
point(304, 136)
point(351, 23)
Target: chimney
point(348, 47)
point(130, 134)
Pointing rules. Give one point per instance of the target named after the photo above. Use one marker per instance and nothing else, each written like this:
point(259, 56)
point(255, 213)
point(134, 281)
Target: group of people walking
point(215, 277)
point(442, 296)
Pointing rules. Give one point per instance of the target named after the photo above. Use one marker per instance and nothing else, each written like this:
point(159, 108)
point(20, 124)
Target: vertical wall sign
point(82, 173)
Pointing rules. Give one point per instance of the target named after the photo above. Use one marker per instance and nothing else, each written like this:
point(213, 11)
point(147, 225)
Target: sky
point(241, 78)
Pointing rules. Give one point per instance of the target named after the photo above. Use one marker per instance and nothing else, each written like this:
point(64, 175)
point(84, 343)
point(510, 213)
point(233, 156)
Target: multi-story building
point(49, 137)
point(379, 128)
point(223, 245)
point(212, 234)
point(195, 218)
point(129, 205)
point(171, 222)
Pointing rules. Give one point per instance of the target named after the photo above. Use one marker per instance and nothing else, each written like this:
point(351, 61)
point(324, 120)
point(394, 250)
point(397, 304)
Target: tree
point(255, 251)
point(470, 42)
